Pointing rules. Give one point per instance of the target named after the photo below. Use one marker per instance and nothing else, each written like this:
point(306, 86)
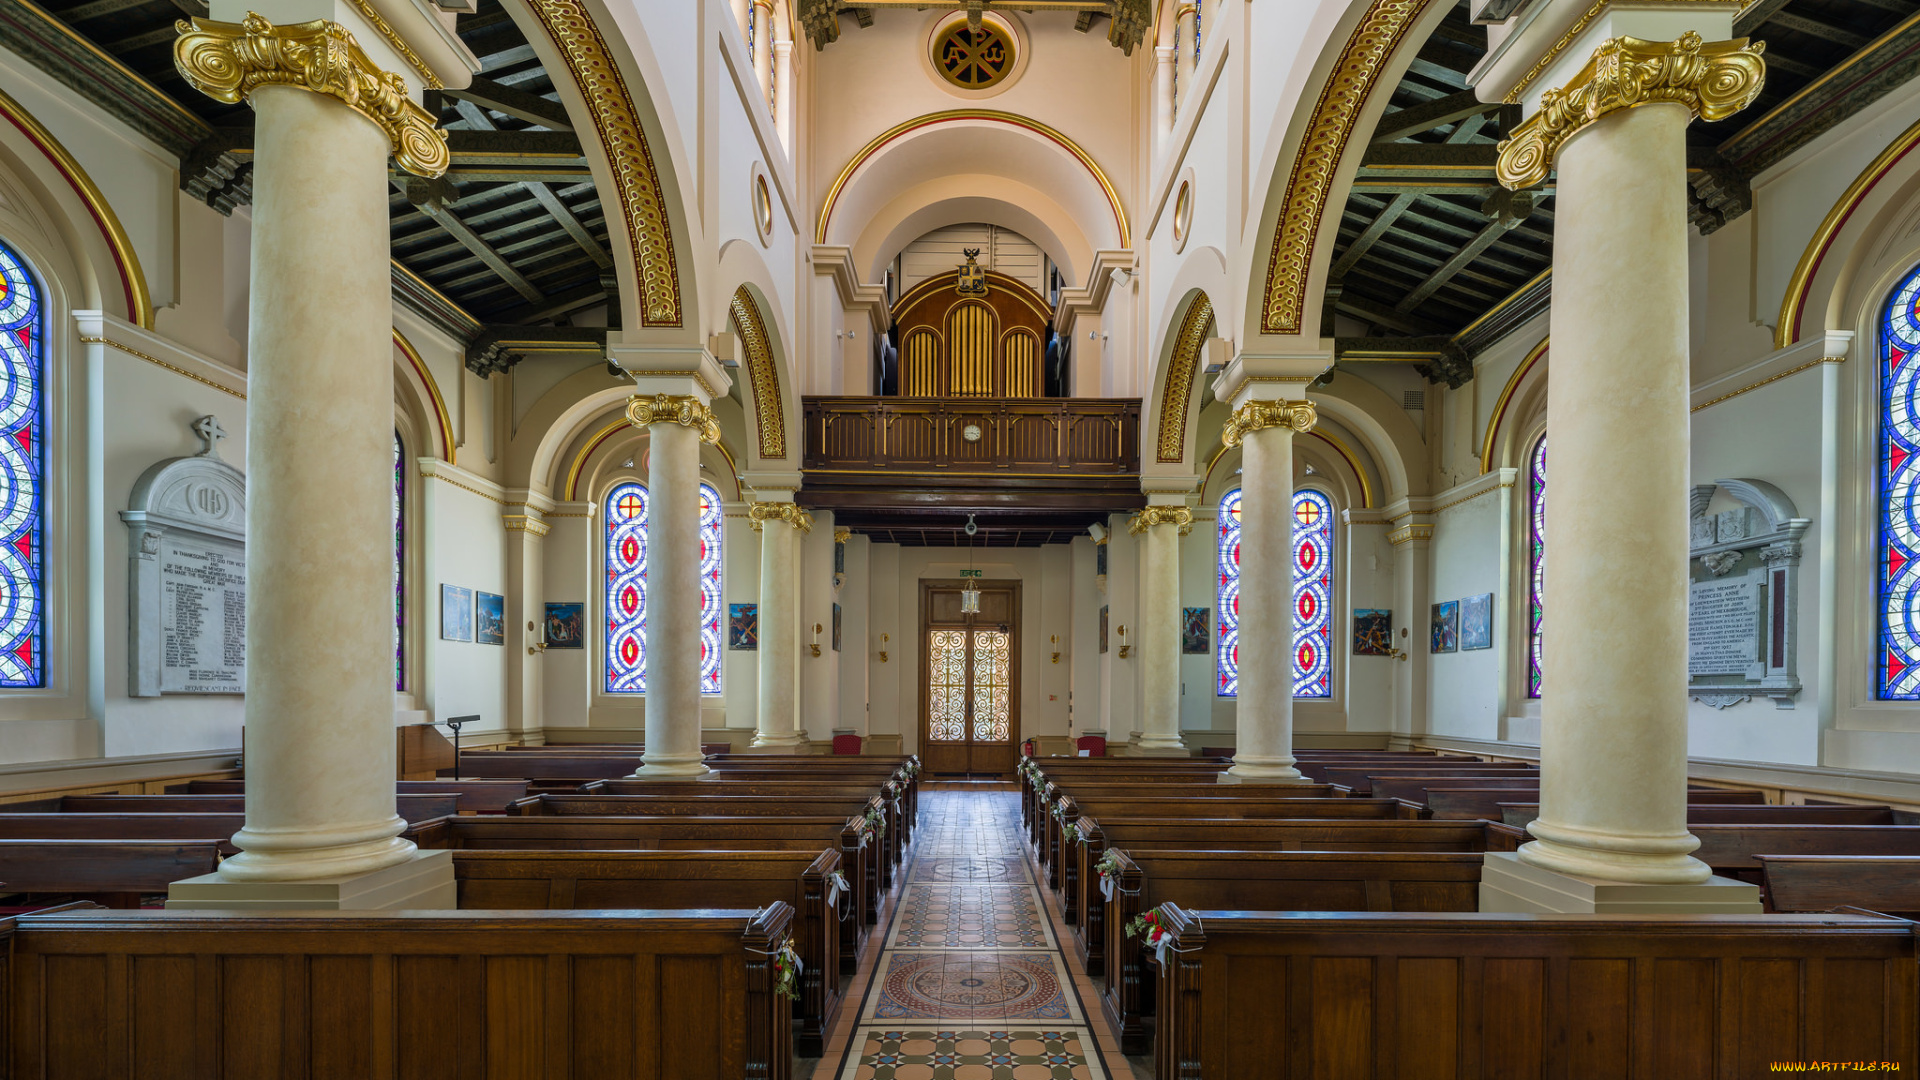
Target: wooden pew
point(412, 808)
point(1205, 798)
point(442, 995)
point(1415, 789)
point(476, 796)
point(1359, 778)
point(117, 871)
point(1484, 802)
point(576, 767)
point(1577, 996)
point(901, 805)
point(218, 828)
point(1264, 881)
point(1053, 769)
point(683, 833)
point(1748, 814)
point(605, 880)
point(1888, 884)
point(1085, 906)
point(1733, 850)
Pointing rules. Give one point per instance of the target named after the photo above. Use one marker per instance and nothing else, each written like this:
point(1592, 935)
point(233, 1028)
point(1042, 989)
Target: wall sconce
point(884, 638)
point(815, 644)
point(533, 648)
point(1056, 652)
point(1124, 647)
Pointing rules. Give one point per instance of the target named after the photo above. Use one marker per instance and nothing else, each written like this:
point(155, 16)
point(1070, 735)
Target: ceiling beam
point(1361, 307)
point(1753, 15)
point(514, 102)
point(1814, 28)
point(429, 202)
point(1425, 117)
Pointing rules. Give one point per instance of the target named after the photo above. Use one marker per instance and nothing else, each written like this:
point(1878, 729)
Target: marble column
point(783, 95)
point(1613, 751)
point(1185, 24)
point(780, 525)
point(1264, 430)
point(1162, 526)
point(320, 743)
point(763, 38)
point(1162, 93)
point(676, 426)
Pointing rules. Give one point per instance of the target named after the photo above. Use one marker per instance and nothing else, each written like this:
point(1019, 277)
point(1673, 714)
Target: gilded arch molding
point(768, 407)
point(643, 204)
point(1310, 183)
point(1178, 388)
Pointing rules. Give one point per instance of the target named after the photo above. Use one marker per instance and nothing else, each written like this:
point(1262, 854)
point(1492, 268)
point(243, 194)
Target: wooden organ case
point(984, 336)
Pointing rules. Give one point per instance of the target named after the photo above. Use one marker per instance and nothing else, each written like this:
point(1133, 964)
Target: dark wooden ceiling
point(506, 251)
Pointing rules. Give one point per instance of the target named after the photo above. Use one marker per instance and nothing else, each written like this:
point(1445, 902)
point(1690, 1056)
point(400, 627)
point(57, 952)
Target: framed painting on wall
point(1476, 622)
point(743, 627)
point(1446, 626)
point(1103, 628)
point(1196, 631)
point(489, 618)
point(566, 626)
point(1372, 632)
point(456, 613)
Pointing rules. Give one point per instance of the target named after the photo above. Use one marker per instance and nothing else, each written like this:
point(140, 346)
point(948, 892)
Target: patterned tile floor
point(971, 983)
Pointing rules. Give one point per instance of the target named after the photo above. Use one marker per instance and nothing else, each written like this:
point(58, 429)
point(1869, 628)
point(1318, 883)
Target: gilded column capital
point(229, 61)
point(1255, 416)
point(1713, 80)
point(525, 523)
point(1410, 534)
point(762, 512)
point(688, 411)
point(842, 535)
point(1161, 515)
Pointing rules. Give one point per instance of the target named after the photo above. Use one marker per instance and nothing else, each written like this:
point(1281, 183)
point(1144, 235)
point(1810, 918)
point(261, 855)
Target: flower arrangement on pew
point(837, 887)
point(786, 971)
point(1109, 869)
point(1069, 831)
point(892, 791)
point(876, 824)
point(1157, 936)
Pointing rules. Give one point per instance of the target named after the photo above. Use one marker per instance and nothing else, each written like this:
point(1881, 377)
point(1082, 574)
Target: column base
point(672, 769)
point(1158, 746)
point(1508, 883)
point(422, 883)
point(789, 738)
point(1257, 770)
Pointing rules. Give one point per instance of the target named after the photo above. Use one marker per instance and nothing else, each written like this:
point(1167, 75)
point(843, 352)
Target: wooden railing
point(1065, 437)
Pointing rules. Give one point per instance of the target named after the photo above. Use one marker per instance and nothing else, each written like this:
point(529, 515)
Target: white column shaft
point(1264, 743)
point(320, 745)
point(1160, 639)
point(1162, 93)
point(673, 602)
point(1183, 33)
point(783, 95)
point(763, 47)
point(1613, 716)
point(779, 713)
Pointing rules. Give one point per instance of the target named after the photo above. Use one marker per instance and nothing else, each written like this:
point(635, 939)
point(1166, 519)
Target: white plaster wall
point(569, 556)
point(1086, 694)
point(1200, 587)
point(1120, 700)
point(740, 582)
point(819, 675)
point(856, 652)
point(891, 622)
point(1463, 686)
point(1369, 584)
point(467, 547)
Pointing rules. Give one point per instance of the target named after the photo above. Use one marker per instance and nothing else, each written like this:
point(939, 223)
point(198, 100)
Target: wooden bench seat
point(1414, 789)
point(1084, 901)
point(1586, 997)
point(218, 828)
point(1095, 769)
point(1359, 778)
point(1749, 814)
point(901, 810)
point(509, 765)
point(683, 833)
point(442, 995)
point(411, 808)
point(1733, 850)
point(1478, 801)
point(1206, 800)
point(1889, 884)
point(611, 880)
point(1264, 881)
point(476, 796)
point(114, 872)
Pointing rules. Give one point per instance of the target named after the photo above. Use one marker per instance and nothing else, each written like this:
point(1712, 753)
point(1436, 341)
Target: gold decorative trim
point(1712, 80)
point(156, 361)
point(760, 513)
point(433, 392)
point(1409, 533)
point(1506, 398)
point(464, 487)
point(580, 460)
point(686, 411)
point(644, 373)
point(1310, 182)
point(1463, 500)
point(1573, 33)
point(525, 523)
point(1787, 326)
point(1178, 388)
point(643, 204)
point(1299, 416)
point(950, 115)
point(768, 408)
point(229, 61)
point(1353, 462)
point(1151, 516)
point(1774, 378)
point(132, 279)
point(399, 44)
point(842, 535)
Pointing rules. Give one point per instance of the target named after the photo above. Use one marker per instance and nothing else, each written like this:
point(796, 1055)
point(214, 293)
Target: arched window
point(1312, 595)
point(23, 661)
point(1536, 559)
point(1899, 661)
point(399, 563)
point(626, 595)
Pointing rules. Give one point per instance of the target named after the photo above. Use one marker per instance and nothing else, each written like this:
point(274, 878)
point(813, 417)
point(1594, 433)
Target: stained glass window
point(1536, 560)
point(22, 469)
point(991, 661)
point(1312, 595)
point(1899, 658)
point(399, 563)
point(626, 597)
point(947, 685)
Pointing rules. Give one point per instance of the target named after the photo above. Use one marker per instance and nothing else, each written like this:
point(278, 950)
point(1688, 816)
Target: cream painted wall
point(466, 547)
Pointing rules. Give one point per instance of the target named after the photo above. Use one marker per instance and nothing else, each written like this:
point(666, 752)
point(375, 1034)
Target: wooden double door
point(969, 678)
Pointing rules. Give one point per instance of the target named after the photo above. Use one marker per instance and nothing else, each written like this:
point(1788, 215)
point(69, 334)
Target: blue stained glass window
point(399, 563)
point(1536, 560)
point(1898, 662)
point(626, 597)
point(23, 661)
point(1312, 595)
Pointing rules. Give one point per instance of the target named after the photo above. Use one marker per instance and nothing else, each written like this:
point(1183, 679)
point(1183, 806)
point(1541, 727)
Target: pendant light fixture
point(970, 596)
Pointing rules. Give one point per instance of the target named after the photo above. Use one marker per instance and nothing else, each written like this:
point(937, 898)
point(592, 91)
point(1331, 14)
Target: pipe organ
point(956, 343)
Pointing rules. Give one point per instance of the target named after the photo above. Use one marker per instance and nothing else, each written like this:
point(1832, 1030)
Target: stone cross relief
point(210, 432)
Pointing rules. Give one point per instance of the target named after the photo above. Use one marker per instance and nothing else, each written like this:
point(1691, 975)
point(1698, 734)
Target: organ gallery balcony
point(1044, 468)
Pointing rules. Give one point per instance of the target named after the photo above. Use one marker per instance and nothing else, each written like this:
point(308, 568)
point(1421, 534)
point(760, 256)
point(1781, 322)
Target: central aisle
point(971, 983)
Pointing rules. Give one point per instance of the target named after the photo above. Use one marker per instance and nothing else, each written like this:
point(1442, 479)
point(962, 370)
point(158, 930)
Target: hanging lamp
point(970, 596)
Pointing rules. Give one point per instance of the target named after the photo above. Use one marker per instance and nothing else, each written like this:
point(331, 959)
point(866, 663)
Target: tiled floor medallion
point(1001, 1055)
point(969, 870)
point(1009, 985)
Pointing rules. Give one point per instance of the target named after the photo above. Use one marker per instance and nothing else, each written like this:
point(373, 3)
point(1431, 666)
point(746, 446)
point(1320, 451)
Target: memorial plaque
point(203, 617)
point(1723, 627)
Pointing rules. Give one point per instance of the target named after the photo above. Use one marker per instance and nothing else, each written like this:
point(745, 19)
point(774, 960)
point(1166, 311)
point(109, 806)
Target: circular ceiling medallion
point(973, 59)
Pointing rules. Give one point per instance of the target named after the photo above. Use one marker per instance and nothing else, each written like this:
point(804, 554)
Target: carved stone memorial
point(1745, 569)
point(187, 574)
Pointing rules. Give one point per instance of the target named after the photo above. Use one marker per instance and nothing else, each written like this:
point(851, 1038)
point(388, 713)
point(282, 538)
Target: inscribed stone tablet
point(203, 617)
point(1723, 627)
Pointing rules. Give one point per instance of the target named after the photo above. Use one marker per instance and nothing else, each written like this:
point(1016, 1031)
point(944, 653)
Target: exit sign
point(971, 573)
